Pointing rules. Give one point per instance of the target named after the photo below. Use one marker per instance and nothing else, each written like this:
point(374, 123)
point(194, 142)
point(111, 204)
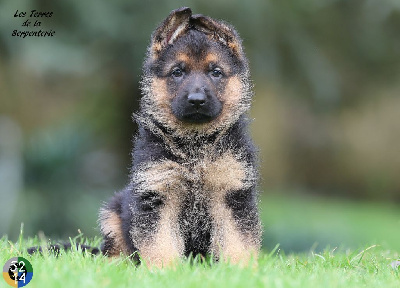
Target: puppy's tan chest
point(211, 176)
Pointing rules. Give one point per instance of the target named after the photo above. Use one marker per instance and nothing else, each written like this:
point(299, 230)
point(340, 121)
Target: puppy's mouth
point(197, 118)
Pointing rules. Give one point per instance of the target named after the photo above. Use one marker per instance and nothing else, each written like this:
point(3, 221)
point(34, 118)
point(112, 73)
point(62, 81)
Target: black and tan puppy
point(194, 175)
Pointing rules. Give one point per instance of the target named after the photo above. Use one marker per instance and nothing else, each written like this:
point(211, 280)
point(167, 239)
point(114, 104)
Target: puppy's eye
point(177, 72)
point(216, 73)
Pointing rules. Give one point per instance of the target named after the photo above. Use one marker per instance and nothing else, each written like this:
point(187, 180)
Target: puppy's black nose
point(197, 99)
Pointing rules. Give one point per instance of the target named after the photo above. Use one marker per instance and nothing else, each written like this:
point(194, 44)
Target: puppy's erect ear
point(173, 26)
point(219, 31)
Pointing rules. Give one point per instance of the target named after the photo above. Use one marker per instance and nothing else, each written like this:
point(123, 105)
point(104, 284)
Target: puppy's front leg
point(236, 233)
point(236, 239)
point(154, 227)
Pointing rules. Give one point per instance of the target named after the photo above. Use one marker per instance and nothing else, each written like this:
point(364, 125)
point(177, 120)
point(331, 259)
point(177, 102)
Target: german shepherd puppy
point(193, 183)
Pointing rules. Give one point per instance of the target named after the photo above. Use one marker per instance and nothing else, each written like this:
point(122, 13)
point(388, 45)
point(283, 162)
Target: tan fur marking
point(164, 177)
point(228, 243)
point(161, 106)
point(167, 245)
point(211, 58)
point(233, 91)
point(224, 174)
point(110, 224)
point(160, 91)
point(183, 57)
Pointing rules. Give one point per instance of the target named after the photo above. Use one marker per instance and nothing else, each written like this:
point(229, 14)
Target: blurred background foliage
point(326, 110)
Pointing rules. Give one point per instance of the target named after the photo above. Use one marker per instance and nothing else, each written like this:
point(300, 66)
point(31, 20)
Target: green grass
point(369, 267)
point(308, 229)
point(300, 223)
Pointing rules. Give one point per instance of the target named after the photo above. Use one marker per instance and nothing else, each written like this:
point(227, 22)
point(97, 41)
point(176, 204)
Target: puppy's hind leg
point(111, 228)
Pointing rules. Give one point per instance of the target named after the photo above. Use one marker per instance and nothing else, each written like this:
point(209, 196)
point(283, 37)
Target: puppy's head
point(196, 79)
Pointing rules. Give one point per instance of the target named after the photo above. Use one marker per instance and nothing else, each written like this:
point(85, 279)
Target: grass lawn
point(323, 243)
point(370, 267)
point(303, 223)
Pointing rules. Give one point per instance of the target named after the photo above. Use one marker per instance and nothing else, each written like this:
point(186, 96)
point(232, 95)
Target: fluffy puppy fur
point(193, 181)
